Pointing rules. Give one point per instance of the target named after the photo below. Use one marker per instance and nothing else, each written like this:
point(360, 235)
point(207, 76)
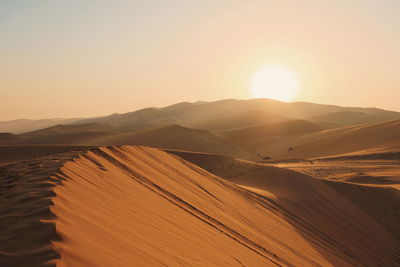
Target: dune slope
point(271, 131)
point(124, 206)
point(326, 207)
point(327, 142)
point(174, 137)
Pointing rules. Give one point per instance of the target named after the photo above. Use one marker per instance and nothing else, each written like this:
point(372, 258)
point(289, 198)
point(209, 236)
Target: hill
point(272, 131)
point(230, 113)
point(116, 206)
point(220, 115)
point(344, 118)
point(69, 129)
point(237, 120)
point(8, 138)
point(174, 137)
point(26, 125)
point(89, 134)
point(331, 142)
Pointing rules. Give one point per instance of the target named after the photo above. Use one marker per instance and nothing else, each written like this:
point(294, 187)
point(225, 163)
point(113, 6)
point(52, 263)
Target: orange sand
point(140, 206)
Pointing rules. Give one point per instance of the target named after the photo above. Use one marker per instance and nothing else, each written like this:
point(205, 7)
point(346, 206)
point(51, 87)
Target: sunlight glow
point(276, 82)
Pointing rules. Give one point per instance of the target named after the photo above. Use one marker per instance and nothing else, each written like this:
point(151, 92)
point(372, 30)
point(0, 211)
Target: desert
point(199, 133)
point(173, 195)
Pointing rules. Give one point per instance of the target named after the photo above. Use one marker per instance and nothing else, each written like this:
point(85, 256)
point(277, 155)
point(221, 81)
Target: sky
point(89, 58)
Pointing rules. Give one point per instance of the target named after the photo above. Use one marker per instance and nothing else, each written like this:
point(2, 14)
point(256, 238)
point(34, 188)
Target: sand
point(141, 206)
point(241, 129)
point(324, 143)
point(173, 137)
point(9, 154)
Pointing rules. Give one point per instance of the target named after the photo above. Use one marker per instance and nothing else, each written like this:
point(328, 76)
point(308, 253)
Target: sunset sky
point(88, 58)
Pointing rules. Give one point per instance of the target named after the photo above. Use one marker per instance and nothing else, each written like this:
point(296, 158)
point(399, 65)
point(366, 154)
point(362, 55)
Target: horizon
point(86, 59)
point(200, 132)
point(191, 102)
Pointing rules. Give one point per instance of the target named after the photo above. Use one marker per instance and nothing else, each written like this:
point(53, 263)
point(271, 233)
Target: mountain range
point(237, 128)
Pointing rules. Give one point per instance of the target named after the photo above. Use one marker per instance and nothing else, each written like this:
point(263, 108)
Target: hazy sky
point(86, 58)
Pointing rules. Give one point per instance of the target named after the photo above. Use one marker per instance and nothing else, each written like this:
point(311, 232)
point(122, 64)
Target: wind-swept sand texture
point(26, 192)
point(9, 154)
point(140, 206)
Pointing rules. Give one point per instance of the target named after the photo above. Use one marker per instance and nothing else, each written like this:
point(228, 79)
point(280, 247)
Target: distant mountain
point(219, 115)
point(8, 138)
point(25, 125)
point(79, 138)
point(70, 129)
point(59, 134)
point(238, 128)
point(231, 114)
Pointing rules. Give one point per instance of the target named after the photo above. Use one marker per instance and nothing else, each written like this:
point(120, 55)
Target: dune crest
point(118, 206)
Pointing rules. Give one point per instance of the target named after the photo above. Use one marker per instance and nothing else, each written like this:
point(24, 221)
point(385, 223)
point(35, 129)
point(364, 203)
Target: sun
point(274, 81)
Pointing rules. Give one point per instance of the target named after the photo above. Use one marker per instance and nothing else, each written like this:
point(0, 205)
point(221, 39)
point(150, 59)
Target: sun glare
point(276, 82)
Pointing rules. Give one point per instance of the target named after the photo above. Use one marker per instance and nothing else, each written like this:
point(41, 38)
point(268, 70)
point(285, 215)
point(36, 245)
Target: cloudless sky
point(86, 58)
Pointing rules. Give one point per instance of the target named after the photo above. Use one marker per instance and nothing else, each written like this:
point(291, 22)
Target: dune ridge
point(26, 191)
point(325, 143)
point(118, 206)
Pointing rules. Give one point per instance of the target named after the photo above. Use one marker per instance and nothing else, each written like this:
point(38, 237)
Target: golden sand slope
point(317, 144)
point(138, 206)
point(327, 207)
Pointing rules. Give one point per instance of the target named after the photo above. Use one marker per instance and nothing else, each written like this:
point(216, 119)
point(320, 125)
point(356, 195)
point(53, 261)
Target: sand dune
point(8, 138)
point(316, 201)
point(354, 138)
point(124, 206)
point(382, 153)
point(169, 136)
point(9, 154)
point(26, 125)
point(78, 134)
point(174, 137)
point(26, 198)
point(81, 138)
point(362, 178)
point(272, 131)
point(375, 170)
point(236, 120)
point(69, 129)
point(342, 118)
point(329, 142)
